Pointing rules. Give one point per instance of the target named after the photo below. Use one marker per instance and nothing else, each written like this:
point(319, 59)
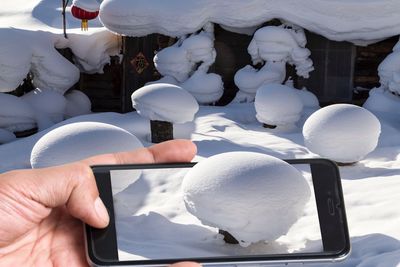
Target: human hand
point(41, 209)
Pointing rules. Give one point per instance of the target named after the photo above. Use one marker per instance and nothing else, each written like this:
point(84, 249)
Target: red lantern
point(85, 12)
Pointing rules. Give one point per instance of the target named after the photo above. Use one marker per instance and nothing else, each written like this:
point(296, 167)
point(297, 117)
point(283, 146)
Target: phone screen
point(152, 223)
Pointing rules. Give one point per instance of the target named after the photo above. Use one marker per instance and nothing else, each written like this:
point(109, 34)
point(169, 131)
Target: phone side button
point(331, 207)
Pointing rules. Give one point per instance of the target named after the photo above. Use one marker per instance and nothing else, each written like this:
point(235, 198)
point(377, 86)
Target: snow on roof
point(358, 21)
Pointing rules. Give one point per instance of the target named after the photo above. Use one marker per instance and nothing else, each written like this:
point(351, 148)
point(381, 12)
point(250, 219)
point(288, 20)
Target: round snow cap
point(46, 100)
point(77, 104)
point(15, 114)
point(165, 102)
point(278, 104)
point(253, 196)
point(80, 140)
point(342, 132)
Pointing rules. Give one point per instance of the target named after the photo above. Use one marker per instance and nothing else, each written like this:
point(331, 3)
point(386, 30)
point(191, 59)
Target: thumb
point(72, 185)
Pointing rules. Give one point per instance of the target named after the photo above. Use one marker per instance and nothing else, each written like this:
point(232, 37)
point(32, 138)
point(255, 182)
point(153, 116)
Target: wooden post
point(64, 6)
point(228, 238)
point(161, 131)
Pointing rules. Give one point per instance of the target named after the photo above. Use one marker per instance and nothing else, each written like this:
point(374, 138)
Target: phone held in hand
point(150, 224)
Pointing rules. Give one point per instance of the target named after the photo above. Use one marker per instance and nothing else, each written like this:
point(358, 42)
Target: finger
point(170, 151)
point(186, 264)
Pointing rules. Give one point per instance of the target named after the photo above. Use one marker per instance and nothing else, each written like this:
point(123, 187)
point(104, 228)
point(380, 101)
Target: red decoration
point(84, 15)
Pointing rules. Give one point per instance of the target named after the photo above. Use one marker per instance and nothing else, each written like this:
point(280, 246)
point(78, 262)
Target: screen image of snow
point(152, 221)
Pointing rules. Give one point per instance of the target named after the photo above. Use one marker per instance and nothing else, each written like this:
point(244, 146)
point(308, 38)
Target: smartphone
point(150, 226)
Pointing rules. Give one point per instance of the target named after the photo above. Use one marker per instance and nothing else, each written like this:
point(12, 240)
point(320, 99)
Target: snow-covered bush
point(164, 104)
point(80, 140)
point(15, 114)
point(275, 46)
point(49, 106)
point(180, 62)
point(77, 104)
point(342, 132)
point(278, 105)
point(383, 101)
point(389, 71)
point(6, 136)
point(253, 196)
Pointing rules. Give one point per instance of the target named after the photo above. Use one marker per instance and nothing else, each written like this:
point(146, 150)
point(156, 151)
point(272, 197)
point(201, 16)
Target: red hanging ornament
point(85, 10)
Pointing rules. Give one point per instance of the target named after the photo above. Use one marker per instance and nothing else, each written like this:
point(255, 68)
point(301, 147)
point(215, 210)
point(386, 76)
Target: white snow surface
point(49, 106)
point(165, 102)
point(88, 5)
point(278, 105)
point(389, 71)
point(77, 104)
point(342, 132)
point(205, 87)
point(335, 19)
point(253, 196)
point(6, 136)
point(29, 33)
point(15, 114)
point(80, 140)
point(370, 187)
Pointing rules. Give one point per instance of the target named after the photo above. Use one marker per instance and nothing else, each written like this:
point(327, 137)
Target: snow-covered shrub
point(164, 104)
point(278, 105)
point(383, 101)
point(253, 196)
point(205, 87)
point(77, 104)
point(389, 71)
point(80, 140)
point(15, 114)
point(187, 62)
point(49, 106)
point(342, 132)
point(274, 46)
point(6, 136)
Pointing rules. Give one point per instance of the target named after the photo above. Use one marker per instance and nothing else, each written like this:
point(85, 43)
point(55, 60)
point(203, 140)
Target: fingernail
point(101, 210)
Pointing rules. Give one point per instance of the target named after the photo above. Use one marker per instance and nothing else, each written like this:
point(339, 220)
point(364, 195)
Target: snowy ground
point(371, 187)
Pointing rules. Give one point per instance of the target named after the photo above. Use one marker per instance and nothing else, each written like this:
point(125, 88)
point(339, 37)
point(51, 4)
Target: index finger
point(170, 151)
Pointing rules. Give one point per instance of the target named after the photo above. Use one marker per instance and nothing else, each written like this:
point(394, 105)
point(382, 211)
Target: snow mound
point(15, 114)
point(88, 5)
point(253, 196)
point(381, 100)
point(77, 104)
point(80, 140)
point(273, 43)
point(389, 72)
point(309, 99)
point(165, 102)
point(205, 87)
point(249, 79)
point(278, 104)
point(342, 132)
point(173, 61)
point(357, 23)
point(6, 136)
point(49, 106)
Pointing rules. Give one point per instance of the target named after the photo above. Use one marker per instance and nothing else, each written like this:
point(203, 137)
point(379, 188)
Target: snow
point(6, 136)
point(253, 196)
point(77, 104)
point(370, 187)
point(48, 105)
point(273, 46)
point(336, 19)
point(389, 71)
point(342, 132)
point(88, 5)
point(80, 140)
point(270, 108)
point(205, 87)
point(15, 115)
point(165, 102)
point(186, 64)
